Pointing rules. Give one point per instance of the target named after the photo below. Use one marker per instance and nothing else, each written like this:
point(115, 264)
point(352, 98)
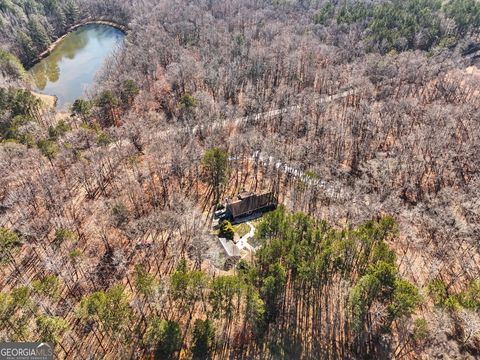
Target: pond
point(71, 67)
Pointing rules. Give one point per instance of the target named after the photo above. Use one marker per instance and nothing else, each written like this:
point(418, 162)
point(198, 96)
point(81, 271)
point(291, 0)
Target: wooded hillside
point(363, 117)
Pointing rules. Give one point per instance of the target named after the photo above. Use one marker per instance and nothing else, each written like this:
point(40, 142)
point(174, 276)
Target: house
point(248, 203)
point(231, 249)
point(232, 253)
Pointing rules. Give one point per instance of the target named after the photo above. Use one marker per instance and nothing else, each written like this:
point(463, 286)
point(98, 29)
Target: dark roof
point(247, 203)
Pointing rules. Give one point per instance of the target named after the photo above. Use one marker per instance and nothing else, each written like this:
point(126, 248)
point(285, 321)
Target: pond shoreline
point(54, 44)
point(50, 101)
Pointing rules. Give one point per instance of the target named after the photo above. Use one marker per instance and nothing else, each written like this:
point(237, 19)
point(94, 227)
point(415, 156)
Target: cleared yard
point(241, 229)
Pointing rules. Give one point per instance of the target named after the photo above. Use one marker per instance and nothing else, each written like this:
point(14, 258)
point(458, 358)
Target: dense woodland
point(362, 116)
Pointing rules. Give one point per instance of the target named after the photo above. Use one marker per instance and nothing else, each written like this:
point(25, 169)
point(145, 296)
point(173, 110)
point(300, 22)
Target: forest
point(362, 117)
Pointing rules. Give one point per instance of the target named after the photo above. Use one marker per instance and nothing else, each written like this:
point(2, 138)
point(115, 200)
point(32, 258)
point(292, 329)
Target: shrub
point(227, 230)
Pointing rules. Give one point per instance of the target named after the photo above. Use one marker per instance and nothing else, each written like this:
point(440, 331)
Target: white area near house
point(234, 249)
point(242, 243)
point(231, 249)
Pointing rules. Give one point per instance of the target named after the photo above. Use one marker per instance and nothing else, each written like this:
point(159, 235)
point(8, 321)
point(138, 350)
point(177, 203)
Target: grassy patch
point(257, 221)
point(242, 229)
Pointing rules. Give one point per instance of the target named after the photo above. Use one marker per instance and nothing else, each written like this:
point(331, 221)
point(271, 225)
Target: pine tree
point(51, 328)
point(72, 12)
point(203, 339)
point(165, 336)
point(215, 162)
point(9, 241)
point(27, 48)
point(38, 34)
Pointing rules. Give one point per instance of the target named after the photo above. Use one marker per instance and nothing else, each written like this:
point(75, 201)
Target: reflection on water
point(72, 65)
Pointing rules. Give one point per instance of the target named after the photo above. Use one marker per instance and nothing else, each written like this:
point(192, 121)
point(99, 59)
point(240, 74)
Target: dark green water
point(71, 67)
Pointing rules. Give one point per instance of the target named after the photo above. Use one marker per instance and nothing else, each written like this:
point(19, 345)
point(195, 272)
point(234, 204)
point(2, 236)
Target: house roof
point(230, 247)
point(250, 202)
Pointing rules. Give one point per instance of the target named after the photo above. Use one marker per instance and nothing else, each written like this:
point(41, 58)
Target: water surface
point(71, 67)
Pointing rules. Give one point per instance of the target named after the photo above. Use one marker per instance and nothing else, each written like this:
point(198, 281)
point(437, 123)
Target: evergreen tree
point(466, 14)
point(9, 241)
point(144, 282)
point(109, 308)
point(165, 336)
point(203, 339)
point(255, 311)
point(72, 13)
point(215, 162)
point(6, 307)
point(82, 108)
point(38, 34)
point(27, 48)
point(51, 328)
point(130, 89)
point(10, 66)
point(108, 103)
point(224, 291)
point(187, 287)
point(49, 286)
